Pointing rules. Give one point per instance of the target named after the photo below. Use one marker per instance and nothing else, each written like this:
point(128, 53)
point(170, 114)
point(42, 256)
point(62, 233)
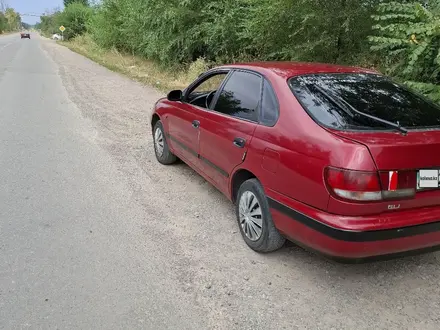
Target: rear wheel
point(254, 218)
point(161, 149)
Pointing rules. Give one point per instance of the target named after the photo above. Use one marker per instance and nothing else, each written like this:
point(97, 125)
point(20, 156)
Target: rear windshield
point(331, 98)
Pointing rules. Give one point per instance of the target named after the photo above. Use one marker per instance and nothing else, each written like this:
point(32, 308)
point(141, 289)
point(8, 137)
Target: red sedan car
point(340, 160)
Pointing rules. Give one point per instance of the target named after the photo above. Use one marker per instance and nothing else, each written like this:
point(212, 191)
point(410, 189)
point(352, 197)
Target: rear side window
point(331, 98)
point(240, 96)
point(269, 105)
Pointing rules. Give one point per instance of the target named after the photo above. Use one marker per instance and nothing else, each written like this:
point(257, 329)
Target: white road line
point(8, 44)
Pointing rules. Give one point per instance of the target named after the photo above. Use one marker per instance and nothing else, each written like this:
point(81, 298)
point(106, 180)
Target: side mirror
point(175, 95)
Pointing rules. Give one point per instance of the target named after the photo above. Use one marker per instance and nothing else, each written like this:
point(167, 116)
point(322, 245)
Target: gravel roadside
point(195, 232)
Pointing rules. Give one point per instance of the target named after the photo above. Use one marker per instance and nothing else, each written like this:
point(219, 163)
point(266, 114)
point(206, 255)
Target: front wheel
point(255, 220)
point(161, 149)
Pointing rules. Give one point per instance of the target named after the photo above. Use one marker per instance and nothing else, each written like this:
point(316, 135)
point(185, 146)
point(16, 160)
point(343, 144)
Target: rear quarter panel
point(289, 158)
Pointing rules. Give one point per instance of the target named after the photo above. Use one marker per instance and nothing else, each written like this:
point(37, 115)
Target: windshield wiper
point(351, 111)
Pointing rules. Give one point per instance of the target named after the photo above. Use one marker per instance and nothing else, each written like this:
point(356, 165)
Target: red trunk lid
point(395, 151)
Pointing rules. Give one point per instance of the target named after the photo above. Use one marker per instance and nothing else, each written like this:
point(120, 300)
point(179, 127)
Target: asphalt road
point(95, 234)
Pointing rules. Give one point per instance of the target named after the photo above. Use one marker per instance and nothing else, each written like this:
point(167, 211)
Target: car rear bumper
point(323, 233)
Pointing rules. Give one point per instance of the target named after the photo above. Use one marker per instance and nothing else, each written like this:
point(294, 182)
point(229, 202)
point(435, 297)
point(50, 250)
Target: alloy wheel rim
point(251, 216)
point(159, 141)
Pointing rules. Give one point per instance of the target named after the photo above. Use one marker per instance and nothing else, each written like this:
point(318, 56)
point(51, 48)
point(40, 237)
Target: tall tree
point(75, 18)
point(408, 36)
point(13, 18)
point(68, 2)
point(3, 23)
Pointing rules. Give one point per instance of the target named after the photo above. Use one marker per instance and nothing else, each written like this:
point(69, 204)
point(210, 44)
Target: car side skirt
point(192, 151)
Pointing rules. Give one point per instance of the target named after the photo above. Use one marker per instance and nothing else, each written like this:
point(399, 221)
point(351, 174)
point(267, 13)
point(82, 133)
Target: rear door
point(227, 130)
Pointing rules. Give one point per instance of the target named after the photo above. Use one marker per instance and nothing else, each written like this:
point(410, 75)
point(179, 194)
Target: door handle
point(195, 124)
point(239, 142)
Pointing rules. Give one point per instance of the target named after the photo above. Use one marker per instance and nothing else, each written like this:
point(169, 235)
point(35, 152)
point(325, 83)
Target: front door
point(186, 119)
point(183, 132)
point(228, 128)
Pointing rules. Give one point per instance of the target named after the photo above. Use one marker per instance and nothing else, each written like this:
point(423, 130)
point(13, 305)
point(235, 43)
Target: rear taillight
point(354, 185)
point(369, 186)
point(398, 184)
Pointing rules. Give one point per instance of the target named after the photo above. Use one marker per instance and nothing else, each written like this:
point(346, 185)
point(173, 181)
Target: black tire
point(167, 157)
point(270, 239)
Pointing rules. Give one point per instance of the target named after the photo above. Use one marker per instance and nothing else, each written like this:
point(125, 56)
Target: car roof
point(291, 69)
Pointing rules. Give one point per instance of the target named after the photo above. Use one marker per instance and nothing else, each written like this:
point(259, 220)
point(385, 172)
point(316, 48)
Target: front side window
point(240, 96)
point(202, 94)
point(332, 98)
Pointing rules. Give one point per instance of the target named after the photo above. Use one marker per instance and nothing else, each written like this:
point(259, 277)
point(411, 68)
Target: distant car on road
point(340, 160)
point(25, 35)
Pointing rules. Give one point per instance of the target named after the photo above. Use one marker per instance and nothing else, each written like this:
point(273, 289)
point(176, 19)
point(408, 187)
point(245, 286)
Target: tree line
point(10, 20)
point(399, 38)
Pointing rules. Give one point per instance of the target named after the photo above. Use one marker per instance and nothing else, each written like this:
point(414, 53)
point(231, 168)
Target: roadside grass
point(149, 72)
point(7, 33)
point(135, 67)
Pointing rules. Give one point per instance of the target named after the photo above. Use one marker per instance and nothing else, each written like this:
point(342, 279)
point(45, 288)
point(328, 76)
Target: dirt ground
point(195, 235)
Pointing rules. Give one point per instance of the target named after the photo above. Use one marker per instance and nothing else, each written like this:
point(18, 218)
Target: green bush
point(181, 31)
point(196, 68)
point(50, 23)
point(10, 20)
point(408, 38)
point(320, 30)
point(173, 33)
point(106, 25)
point(3, 23)
point(75, 18)
point(69, 2)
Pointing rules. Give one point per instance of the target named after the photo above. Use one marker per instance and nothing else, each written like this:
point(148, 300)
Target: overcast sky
point(33, 7)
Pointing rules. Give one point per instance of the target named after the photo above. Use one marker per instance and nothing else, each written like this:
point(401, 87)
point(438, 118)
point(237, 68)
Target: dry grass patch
point(135, 67)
